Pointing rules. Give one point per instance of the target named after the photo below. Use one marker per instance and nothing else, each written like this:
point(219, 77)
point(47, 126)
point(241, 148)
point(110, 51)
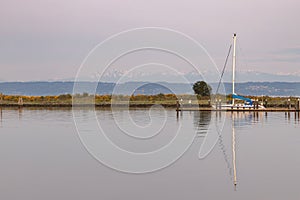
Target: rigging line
point(223, 149)
point(223, 69)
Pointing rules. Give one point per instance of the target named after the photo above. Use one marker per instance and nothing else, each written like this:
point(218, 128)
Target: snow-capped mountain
point(209, 76)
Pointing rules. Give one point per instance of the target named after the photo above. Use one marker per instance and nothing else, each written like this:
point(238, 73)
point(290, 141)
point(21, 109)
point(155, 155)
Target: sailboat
point(248, 103)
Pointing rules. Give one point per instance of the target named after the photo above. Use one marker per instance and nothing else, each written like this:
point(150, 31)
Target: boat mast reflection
point(234, 154)
point(201, 123)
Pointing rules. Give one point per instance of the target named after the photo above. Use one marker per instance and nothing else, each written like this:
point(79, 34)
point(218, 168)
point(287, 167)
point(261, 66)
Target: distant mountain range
point(113, 76)
point(209, 76)
point(128, 88)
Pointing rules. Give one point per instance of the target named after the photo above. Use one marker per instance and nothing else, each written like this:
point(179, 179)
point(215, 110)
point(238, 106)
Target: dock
point(238, 110)
point(218, 108)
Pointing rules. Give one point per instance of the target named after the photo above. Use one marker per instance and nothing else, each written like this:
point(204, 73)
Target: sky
point(48, 40)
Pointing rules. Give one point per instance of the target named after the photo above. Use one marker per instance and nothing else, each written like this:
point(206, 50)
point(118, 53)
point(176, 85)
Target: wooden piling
point(298, 105)
point(20, 102)
point(255, 104)
point(177, 108)
point(1, 99)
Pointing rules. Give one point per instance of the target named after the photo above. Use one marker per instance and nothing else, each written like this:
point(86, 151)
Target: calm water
point(42, 156)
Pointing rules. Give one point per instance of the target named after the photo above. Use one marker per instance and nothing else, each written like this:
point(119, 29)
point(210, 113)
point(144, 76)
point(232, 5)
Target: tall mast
point(233, 66)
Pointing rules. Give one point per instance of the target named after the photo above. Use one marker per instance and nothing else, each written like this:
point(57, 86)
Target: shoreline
point(193, 107)
point(179, 102)
point(105, 105)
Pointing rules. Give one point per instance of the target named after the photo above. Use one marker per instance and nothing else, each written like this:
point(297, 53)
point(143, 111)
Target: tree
point(201, 88)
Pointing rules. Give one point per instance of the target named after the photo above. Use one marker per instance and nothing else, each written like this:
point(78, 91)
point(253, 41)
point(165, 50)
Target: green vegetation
point(164, 99)
point(201, 88)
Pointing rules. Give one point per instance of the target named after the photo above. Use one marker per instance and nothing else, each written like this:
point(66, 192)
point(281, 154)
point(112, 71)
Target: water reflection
point(201, 122)
point(238, 121)
point(254, 144)
point(297, 117)
point(234, 154)
point(20, 112)
point(226, 157)
point(245, 119)
point(289, 116)
point(0, 116)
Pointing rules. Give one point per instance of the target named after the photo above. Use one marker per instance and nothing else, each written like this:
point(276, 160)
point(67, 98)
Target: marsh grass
point(162, 99)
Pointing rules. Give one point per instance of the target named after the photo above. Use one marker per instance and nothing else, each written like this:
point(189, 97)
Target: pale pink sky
point(44, 40)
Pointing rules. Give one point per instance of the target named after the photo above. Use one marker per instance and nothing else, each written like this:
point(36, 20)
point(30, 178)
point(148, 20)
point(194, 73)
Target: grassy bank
point(166, 100)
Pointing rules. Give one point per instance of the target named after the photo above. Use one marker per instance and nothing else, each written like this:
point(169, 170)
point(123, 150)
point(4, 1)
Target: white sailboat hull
point(238, 106)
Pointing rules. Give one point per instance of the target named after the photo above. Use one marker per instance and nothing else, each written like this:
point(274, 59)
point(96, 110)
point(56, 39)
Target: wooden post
point(266, 103)
point(220, 104)
point(1, 98)
point(289, 104)
point(177, 107)
point(298, 105)
point(20, 101)
point(285, 104)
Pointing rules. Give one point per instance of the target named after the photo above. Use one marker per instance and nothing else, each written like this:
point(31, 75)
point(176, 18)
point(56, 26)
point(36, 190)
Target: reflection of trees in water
point(201, 121)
